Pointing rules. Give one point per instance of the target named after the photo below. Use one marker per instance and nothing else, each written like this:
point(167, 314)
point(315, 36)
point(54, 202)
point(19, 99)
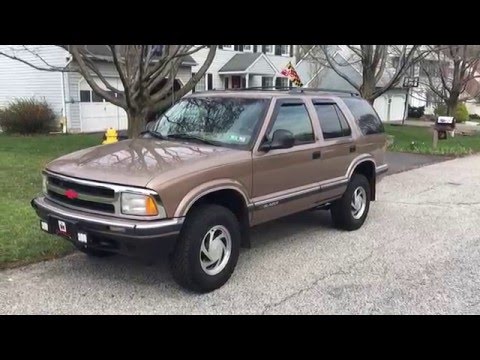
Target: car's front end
point(103, 216)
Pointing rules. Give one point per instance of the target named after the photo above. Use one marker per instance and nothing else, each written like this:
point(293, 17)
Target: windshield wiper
point(154, 134)
point(191, 137)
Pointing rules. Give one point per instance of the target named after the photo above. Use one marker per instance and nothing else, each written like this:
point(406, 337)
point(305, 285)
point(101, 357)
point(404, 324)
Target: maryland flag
point(292, 75)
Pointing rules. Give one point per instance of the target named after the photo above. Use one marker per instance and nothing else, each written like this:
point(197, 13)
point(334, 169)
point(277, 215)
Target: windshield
point(216, 120)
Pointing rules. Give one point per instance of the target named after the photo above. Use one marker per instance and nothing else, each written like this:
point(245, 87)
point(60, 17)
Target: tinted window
point(294, 118)
point(365, 115)
point(332, 121)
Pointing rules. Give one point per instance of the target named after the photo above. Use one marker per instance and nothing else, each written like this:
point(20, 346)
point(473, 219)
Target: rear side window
point(333, 123)
point(365, 115)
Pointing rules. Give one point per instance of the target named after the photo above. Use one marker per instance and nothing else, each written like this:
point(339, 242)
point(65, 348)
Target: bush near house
point(27, 116)
point(474, 117)
point(416, 112)
point(461, 112)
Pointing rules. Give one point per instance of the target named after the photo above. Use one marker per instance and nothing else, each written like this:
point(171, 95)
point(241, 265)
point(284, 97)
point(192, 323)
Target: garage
point(97, 114)
point(390, 106)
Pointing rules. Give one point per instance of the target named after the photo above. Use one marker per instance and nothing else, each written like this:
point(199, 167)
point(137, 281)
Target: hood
point(134, 162)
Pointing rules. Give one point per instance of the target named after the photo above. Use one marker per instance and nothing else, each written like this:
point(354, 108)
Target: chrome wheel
point(215, 250)
point(359, 203)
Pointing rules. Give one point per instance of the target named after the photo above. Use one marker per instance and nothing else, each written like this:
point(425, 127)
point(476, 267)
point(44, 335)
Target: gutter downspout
point(64, 101)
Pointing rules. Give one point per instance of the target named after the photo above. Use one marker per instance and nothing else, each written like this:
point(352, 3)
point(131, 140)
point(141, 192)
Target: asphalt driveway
point(418, 253)
point(398, 162)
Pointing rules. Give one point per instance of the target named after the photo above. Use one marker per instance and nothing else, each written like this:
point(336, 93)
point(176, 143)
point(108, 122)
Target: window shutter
point(264, 50)
point(291, 50)
point(240, 47)
point(278, 50)
point(255, 48)
point(278, 82)
point(220, 47)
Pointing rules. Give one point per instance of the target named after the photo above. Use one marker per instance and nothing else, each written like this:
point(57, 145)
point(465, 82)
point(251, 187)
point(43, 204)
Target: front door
point(236, 82)
point(285, 181)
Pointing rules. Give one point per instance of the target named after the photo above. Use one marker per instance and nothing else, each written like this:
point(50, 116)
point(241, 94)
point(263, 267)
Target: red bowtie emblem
point(71, 194)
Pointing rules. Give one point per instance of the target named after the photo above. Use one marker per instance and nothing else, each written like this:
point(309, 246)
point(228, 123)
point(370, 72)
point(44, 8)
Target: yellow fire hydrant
point(111, 136)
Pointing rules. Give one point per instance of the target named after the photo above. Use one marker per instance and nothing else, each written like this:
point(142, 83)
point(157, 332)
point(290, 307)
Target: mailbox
point(444, 124)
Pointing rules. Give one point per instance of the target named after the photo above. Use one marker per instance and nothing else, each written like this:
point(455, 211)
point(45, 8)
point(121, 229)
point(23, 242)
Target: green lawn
point(417, 139)
point(21, 161)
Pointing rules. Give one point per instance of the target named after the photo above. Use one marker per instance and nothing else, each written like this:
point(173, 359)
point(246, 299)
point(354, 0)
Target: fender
point(201, 190)
point(357, 161)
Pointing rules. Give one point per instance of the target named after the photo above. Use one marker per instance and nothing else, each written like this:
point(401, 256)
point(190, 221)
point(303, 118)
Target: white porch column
point(247, 78)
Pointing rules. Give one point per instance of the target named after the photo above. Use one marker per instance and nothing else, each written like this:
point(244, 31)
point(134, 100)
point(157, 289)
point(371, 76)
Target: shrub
point(461, 112)
point(27, 116)
point(474, 117)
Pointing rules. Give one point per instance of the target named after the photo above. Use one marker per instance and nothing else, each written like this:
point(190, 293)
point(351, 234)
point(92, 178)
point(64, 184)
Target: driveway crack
point(315, 283)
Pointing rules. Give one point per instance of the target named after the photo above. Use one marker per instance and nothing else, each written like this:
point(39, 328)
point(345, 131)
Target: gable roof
point(240, 62)
point(103, 53)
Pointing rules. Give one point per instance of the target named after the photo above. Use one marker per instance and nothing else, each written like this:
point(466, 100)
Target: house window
point(281, 82)
point(228, 47)
point(269, 49)
point(294, 118)
point(248, 48)
point(209, 81)
point(285, 50)
point(225, 83)
point(85, 96)
point(332, 121)
point(200, 85)
point(267, 82)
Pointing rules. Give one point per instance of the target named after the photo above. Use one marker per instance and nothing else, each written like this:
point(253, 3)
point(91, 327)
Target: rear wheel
point(350, 212)
point(207, 249)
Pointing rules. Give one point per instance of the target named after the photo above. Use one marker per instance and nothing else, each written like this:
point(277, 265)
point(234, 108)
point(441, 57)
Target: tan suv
point(214, 165)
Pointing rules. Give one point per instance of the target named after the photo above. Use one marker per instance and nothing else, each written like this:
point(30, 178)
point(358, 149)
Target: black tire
point(341, 210)
point(95, 252)
point(186, 266)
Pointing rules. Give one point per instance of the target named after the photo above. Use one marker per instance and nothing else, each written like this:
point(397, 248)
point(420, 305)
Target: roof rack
point(298, 89)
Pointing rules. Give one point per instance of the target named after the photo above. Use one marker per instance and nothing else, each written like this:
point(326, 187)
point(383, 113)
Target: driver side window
point(294, 118)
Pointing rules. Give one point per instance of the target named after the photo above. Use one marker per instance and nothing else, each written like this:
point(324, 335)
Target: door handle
point(353, 148)
point(316, 155)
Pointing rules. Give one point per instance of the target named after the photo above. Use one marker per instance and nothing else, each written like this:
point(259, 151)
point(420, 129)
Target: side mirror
point(281, 139)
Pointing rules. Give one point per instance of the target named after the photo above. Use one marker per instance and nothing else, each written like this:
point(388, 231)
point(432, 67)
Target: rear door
point(339, 148)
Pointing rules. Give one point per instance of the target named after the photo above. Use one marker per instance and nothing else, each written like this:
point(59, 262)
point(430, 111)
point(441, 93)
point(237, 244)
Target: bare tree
point(368, 68)
point(147, 74)
point(451, 72)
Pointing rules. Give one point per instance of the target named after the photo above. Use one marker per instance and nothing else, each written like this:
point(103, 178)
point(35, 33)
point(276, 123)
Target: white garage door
point(390, 107)
point(96, 114)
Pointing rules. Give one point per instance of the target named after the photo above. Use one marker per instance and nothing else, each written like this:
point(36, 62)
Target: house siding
point(19, 80)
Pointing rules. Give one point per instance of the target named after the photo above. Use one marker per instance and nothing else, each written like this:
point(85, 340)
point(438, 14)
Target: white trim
point(228, 47)
point(232, 72)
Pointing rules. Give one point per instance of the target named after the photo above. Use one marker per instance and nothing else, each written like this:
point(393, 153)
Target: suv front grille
point(74, 194)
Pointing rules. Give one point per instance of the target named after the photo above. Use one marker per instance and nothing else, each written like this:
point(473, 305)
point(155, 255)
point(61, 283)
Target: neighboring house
point(473, 89)
point(391, 106)
point(241, 66)
point(67, 93)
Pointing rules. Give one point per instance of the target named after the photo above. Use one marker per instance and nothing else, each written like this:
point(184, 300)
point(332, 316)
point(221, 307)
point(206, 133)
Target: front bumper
point(107, 233)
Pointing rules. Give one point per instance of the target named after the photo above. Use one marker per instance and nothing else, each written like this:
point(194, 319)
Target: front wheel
point(350, 211)
point(207, 249)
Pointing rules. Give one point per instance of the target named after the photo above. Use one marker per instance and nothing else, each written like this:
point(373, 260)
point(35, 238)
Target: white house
point(67, 92)
point(241, 66)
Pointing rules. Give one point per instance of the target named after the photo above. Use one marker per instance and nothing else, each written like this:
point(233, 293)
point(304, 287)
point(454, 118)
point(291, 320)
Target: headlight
point(44, 184)
point(138, 204)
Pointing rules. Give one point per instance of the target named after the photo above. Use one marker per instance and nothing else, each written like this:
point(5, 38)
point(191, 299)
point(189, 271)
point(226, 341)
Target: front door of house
point(236, 82)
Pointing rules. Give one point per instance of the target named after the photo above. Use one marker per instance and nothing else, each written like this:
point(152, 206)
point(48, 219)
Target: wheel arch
point(365, 166)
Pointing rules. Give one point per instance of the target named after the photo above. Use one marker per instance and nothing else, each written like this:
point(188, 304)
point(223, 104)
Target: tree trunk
point(451, 108)
point(136, 124)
